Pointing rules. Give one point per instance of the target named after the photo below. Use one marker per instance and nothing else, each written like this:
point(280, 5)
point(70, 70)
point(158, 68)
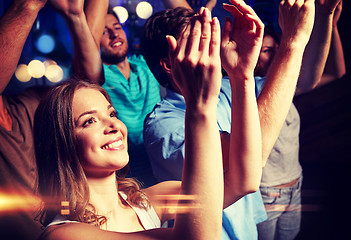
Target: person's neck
point(123, 67)
point(104, 193)
point(5, 118)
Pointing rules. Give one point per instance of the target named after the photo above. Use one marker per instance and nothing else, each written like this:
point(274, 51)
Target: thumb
point(172, 47)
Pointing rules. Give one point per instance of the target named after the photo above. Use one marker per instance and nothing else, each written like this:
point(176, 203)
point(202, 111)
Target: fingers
point(197, 37)
point(183, 40)
point(233, 10)
point(226, 31)
point(255, 25)
point(243, 7)
point(205, 31)
point(215, 38)
point(172, 46)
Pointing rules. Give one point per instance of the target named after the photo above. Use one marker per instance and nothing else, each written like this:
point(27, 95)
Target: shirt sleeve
point(259, 83)
point(164, 142)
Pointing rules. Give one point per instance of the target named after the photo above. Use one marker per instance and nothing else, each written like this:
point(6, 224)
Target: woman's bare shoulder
point(67, 231)
point(76, 230)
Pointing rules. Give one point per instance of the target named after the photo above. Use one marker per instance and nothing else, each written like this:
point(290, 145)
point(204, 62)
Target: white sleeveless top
point(148, 217)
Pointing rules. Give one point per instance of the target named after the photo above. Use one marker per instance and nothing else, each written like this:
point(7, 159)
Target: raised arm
point(335, 66)
point(242, 149)
point(15, 26)
point(86, 57)
point(210, 4)
point(317, 49)
point(95, 11)
point(196, 69)
point(296, 19)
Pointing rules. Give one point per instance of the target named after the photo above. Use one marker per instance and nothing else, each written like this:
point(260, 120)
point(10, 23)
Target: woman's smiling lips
point(114, 145)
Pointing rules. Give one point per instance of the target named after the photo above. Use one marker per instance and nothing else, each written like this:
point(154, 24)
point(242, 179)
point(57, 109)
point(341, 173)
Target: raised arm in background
point(15, 26)
point(296, 21)
point(210, 4)
point(95, 11)
point(335, 67)
point(86, 57)
point(317, 49)
point(240, 48)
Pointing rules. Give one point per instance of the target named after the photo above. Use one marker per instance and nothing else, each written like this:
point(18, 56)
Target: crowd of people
point(107, 155)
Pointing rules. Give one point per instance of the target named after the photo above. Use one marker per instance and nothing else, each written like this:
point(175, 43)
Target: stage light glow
point(45, 43)
point(54, 73)
point(144, 10)
point(122, 14)
point(22, 73)
point(16, 202)
point(36, 69)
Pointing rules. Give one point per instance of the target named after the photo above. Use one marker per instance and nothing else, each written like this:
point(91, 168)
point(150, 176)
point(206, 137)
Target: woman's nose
point(111, 126)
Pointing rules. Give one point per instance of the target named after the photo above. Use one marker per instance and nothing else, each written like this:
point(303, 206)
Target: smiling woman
point(78, 137)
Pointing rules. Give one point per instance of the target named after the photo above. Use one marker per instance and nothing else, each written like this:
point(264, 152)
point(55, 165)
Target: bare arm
point(86, 57)
point(210, 4)
point(296, 21)
point(335, 66)
point(196, 58)
point(316, 53)
point(15, 26)
point(242, 149)
point(95, 11)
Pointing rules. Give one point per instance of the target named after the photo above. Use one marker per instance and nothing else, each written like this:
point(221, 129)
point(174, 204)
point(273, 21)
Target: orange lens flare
point(11, 202)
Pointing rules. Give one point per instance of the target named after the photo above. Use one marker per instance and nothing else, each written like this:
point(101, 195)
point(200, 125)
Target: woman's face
point(269, 47)
point(101, 138)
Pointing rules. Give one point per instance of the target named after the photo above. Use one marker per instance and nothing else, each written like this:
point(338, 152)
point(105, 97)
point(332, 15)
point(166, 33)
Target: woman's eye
point(113, 114)
point(88, 122)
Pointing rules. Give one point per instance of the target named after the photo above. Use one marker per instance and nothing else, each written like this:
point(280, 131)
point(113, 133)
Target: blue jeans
point(283, 206)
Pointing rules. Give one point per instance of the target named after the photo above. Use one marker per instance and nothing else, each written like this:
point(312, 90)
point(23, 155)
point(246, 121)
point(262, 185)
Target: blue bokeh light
point(45, 43)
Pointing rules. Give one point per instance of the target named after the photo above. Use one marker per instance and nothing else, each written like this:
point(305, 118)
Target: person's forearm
point(276, 96)
point(335, 66)
point(316, 52)
point(15, 26)
point(243, 174)
point(95, 11)
point(202, 159)
point(86, 57)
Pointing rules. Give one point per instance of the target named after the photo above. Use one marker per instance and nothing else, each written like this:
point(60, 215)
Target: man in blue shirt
point(164, 128)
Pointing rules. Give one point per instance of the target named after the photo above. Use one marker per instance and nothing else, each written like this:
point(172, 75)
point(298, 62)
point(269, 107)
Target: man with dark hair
point(164, 127)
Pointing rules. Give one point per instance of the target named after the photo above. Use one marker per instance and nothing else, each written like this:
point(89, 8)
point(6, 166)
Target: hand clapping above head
point(195, 59)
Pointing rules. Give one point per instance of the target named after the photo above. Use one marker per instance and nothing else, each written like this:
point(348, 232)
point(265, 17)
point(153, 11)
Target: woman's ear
point(166, 65)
